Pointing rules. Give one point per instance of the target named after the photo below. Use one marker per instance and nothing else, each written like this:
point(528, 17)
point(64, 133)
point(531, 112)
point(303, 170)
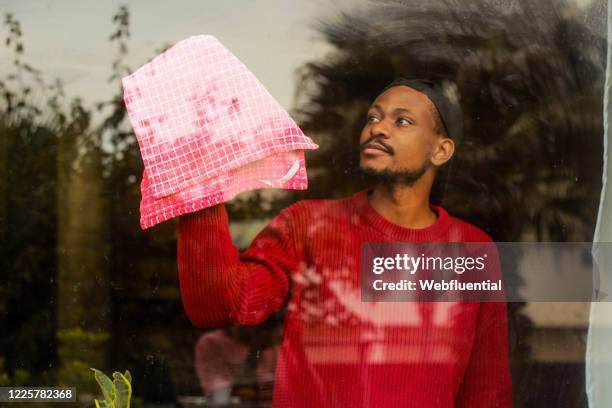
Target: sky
point(68, 39)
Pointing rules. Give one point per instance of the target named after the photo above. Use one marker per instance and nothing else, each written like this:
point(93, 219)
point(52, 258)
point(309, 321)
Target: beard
point(394, 178)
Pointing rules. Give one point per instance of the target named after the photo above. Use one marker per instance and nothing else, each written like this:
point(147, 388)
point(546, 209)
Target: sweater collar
point(379, 222)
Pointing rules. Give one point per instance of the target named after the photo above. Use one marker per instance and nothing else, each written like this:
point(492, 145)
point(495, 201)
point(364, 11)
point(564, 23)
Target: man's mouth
point(375, 148)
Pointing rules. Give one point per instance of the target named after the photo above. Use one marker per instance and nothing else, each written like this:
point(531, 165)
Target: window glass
point(257, 300)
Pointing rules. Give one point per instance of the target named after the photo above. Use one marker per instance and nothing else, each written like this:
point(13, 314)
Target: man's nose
point(379, 129)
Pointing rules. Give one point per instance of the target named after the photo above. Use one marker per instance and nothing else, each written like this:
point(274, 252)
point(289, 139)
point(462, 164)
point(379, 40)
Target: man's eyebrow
point(405, 110)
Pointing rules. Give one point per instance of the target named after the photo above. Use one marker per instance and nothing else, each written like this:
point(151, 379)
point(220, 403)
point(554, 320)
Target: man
point(337, 350)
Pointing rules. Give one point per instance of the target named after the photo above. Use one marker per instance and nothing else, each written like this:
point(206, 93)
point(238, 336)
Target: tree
point(529, 77)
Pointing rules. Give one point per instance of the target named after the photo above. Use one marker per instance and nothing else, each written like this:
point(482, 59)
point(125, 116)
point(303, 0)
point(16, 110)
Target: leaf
point(123, 390)
point(104, 404)
point(128, 375)
point(105, 384)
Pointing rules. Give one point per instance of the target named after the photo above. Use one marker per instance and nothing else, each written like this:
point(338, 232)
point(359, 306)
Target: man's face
point(399, 137)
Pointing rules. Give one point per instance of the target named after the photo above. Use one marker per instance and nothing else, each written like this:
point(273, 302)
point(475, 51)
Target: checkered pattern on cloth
point(207, 130)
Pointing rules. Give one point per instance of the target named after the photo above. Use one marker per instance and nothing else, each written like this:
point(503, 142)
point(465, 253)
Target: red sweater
point(336, 350)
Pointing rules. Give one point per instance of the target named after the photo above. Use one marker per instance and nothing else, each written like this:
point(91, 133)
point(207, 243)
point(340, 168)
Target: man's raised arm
point(221, 286)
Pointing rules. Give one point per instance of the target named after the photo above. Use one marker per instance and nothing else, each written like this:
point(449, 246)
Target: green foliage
point(76, 342)
point(20, 377)
point(117, 392)
point(44, 138)
point(74, 373)
point(75, 348)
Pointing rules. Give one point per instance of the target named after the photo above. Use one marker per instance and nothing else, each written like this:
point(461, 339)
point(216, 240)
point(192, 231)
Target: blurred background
point(82, 286)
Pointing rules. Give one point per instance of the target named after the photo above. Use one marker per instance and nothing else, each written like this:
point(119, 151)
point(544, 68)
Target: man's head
point(409, 133)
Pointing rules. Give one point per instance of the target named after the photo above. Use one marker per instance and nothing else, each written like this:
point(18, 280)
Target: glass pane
point(256, 301)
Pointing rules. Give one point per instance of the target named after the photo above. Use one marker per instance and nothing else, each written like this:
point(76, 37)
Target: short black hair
point(446, 113)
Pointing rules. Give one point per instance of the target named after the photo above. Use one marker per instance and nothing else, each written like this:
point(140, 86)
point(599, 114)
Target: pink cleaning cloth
point(207, 130)
point(283, 170)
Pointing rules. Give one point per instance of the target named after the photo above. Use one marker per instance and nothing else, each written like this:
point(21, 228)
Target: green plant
point(117, 392)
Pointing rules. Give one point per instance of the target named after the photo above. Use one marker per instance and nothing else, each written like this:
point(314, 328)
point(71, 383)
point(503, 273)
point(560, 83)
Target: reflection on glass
point(81, 285)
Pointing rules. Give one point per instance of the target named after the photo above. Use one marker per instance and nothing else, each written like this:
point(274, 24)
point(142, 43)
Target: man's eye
point(372, 119)
point(404, 121)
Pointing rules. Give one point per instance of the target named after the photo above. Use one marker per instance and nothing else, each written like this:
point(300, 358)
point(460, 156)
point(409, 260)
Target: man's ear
point(445, 147)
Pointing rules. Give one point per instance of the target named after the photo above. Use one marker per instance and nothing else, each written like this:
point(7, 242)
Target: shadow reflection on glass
point(235, 365)
point(416, 340)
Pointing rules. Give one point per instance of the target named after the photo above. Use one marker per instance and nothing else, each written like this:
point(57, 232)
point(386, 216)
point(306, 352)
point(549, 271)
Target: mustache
point(388, 148)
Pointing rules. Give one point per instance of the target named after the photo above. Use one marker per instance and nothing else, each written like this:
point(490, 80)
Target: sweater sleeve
point(486, 380)
point(219, 285)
